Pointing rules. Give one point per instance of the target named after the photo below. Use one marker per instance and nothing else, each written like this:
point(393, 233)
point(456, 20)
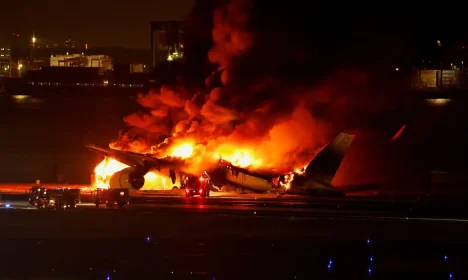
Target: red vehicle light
point(187, 190)
point(201, 190)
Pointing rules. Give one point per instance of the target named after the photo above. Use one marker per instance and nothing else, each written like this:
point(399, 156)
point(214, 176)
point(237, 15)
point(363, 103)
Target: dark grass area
point(190, 258)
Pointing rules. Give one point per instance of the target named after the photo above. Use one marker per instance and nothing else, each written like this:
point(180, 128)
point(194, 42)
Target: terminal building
point(78, 60)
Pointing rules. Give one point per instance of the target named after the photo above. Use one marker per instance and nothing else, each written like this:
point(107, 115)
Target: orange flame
point(300, 171)
point(182, 151)
point(288, 178)
point(104, 171)
point(106, 168)
point(241, 158)
point(154, 180)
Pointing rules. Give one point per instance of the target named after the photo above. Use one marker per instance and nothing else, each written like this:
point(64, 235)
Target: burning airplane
point(132, 169)
point(268, 110)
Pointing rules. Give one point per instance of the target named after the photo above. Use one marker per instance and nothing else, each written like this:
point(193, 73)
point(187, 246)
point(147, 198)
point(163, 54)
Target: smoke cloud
point(286, 83)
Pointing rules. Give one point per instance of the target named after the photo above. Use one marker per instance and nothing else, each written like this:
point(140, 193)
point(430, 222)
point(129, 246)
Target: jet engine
point(127, 178)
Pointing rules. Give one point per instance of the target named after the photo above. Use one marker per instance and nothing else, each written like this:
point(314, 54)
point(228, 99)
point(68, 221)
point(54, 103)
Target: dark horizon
point(123, 25)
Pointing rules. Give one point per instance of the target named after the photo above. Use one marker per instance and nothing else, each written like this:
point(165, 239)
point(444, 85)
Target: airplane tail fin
point(324, 166)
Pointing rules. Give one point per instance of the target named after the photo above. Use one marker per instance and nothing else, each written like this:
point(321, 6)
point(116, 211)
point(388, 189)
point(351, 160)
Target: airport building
point(79, 60)
point(167, 42)
point(435, 79)
point(5, 61)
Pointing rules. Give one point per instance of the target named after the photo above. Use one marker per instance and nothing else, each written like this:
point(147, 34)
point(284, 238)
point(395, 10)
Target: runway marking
point(420, 219)
point(246, 209)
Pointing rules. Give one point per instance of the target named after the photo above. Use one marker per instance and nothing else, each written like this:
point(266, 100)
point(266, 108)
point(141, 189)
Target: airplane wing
point(135, 159)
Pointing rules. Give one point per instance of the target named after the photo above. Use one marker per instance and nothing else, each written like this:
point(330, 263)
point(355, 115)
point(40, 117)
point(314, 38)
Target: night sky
point(96, 22)
point(105, 23)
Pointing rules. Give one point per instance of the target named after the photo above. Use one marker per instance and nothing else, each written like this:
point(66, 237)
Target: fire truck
point(111, 197)
point(58, 198)
point(197, 185)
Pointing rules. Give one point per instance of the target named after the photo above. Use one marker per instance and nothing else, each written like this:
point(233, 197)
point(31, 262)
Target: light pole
point(33, 40)
point(20, 66)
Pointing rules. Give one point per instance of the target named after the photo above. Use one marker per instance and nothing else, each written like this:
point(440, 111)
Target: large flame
point(104, 171)
point(106, 168)
point(155, 181)
point(182, 151)
point(240, 158)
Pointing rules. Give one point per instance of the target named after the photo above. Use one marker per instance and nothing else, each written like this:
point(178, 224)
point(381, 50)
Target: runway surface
point(236, 236)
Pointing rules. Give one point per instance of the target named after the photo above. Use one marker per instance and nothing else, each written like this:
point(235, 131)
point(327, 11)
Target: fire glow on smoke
point(244, 126)
point(268, 105)
point(249, 119)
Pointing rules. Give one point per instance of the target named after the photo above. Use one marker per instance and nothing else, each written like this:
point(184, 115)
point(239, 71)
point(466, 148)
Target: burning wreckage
point(131, 170)
point(258, 121)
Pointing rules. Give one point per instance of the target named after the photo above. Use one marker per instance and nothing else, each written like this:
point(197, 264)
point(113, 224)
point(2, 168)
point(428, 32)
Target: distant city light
point(34, 39)
point(438, 101)
point(170, 58)
point(20, 66)
point(397, 69)
point(439, 43)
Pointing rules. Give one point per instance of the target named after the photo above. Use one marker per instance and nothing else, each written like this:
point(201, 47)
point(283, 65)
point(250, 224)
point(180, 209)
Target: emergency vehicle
point(58, 198)
point(197, 185)
point(111, 197)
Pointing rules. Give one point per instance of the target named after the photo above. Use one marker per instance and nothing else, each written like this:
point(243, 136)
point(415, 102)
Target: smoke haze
point(285, 82)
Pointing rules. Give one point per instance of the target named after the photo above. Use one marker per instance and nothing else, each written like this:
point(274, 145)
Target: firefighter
point(205, 181)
